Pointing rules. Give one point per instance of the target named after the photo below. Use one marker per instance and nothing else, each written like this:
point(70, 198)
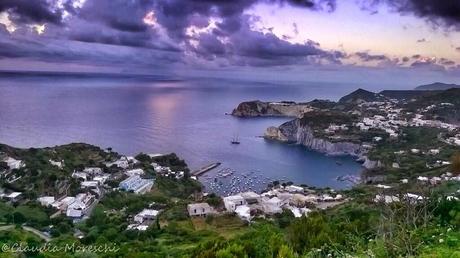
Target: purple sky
point(389, 41)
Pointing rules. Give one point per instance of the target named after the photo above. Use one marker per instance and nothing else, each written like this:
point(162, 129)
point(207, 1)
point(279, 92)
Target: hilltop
point(437, 86)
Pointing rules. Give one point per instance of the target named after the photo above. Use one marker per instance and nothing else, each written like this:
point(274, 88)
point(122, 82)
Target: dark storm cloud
point(445, 13)
point(79, 53)
point(175, 15)
point(120, 26)
point(423, 40)
point(27, 11)
point(120, 15)
point(366, 57)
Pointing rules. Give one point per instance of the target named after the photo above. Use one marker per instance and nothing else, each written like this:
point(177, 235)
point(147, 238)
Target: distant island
point(437, 86)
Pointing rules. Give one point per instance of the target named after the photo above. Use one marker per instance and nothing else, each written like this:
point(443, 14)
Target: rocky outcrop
point(294, 132)
point(258, 108)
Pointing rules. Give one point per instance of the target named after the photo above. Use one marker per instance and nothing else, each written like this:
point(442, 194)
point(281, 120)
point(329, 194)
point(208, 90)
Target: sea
point(187, 116)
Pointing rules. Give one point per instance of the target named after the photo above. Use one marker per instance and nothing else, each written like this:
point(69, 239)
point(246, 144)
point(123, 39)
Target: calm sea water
point(187, 117)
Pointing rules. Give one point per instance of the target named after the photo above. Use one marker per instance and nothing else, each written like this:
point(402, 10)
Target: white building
point(294, 189)
point(89, 184)
point(233, 201)
point(63, 203)
point(251, 197)
point(56, 163)
point(14, 163)
point(93, 170)
point(199, 209)
point(146, 214)
point(272, 206)
point(121, 163)
point(133, 172)
point(46, 200)
point(81, 175)
point(137, 184)
point(101, 179)
point(243, 212)
point(80, 206)
point(14, 196)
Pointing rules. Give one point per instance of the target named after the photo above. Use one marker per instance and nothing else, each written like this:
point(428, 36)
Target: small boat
point(235, 140)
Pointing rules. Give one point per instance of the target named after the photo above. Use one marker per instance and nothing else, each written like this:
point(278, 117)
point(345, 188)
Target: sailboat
point(235, 140)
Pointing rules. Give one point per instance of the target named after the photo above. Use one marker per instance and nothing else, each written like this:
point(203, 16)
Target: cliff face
point(259, 108)
point(294, 132)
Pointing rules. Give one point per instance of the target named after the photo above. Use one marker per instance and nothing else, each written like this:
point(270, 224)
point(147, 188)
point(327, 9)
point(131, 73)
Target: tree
point(286, 252)
point(310, 232)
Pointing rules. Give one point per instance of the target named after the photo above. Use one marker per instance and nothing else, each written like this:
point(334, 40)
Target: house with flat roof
point(133, 172)
point(145, 215)
point(199, 209)
point(14, 163)
point(137, 184)
point(233, 201)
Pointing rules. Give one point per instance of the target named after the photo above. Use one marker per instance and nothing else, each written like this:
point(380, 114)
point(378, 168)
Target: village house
point(294, 189)
point(63, 203)
point(46, 200)
point(272, 205)
point(93, 170)
point(13, 197)
point(121, 163)
point(243, 212)
point(137, 184)
point(146, 215)
point(14, 163)
point(56, 163)
point(251, 197)
point(233, 201)
point(133, 172)
point(80, 206)
point(199, 209)
point(82, 175)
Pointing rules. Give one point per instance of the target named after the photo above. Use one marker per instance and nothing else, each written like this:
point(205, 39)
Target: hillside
point(359, 96)
point(437, 86)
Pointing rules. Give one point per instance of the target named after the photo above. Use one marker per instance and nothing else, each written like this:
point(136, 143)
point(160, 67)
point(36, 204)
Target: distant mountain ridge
point(437, 86)
point(361, 95)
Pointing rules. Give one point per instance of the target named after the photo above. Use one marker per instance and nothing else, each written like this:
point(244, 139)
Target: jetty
point(205, 169)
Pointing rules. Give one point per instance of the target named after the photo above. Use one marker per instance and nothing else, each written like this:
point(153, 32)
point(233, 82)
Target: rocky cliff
point(294, 132)
point(259, 108)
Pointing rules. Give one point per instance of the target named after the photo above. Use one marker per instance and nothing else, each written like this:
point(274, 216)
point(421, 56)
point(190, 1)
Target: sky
point(387, 41)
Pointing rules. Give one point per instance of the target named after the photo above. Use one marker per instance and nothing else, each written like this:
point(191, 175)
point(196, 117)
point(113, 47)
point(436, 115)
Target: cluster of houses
point(419, 121)
point(93, 178)
point(246, 205)
point(75, 207)
point(167, 172)
point(92, 183)
point(394, 118)
point(414, 198)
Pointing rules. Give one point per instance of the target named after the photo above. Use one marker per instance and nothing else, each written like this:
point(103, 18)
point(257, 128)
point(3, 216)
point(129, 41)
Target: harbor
point(227, 181)
point(205, 169)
